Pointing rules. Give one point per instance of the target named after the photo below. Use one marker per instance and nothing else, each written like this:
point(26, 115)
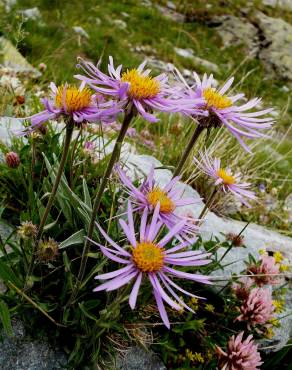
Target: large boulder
point(276, 50)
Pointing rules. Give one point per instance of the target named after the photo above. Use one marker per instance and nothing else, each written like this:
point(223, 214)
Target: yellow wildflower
point(193, 303)
point(284, 268)
point(269, 333)
point(278, 257)
point(275, 322)
point(279, 305)
point(194, 357)
point(209, 307)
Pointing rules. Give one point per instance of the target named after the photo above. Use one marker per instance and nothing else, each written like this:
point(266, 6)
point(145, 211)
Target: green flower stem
point(208, 204)
point(71, 162)
point(67, 140)
point(199, 129)
point(129, 114)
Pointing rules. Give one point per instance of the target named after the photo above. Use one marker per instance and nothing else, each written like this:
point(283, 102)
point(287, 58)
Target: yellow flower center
point(227, 178)
point(141, 87)
point(215, 99)
point(157, 195)
point(148, 257)
point(73, 99)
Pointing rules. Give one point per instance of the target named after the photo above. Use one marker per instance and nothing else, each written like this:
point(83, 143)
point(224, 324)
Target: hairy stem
point(199, 129)
point(71, 162)
point(208, 204)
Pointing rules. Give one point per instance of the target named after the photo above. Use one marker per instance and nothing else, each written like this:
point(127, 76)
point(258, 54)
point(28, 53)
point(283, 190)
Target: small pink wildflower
point(240, 354)
point(257, 308)
point(268, 269)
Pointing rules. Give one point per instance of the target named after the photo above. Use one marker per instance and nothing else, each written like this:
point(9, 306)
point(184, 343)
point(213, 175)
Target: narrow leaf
point(5, 318)
point(76, 238)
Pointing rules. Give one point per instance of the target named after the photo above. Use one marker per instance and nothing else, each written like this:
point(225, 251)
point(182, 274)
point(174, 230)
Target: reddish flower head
point(12, 160)
point(240, 355)
point(257, 308)
point(267, 271)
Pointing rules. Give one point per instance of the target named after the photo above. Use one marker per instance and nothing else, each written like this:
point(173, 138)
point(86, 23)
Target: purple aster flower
point(76, 102)
point(224, 178)
point(223, 109)
point(149, 194)
point(149, 257)
point(136, 85)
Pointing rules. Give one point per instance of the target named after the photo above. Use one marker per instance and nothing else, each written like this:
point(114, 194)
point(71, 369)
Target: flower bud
point(12, 160)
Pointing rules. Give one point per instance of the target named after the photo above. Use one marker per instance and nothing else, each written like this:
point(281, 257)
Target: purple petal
point(135, 290)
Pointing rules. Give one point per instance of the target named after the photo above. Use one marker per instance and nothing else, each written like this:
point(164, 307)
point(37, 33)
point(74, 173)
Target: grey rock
point(80, 31)
point(281, 4)
point(171, 5)
point(10, 57)
point(8, 4)
point(31, 14)
point(285, 88)
point(120, 24)
point(185, 53)
point(5, 230)
point(168, 12)
point(138, 358)
point(8, 127)
point(236, 31)
point(276, 50)
point(146, 3)
point(199, 62)
point(20, 352)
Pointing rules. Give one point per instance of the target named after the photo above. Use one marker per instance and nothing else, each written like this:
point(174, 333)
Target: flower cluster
point(136, 86)
point(117, 89)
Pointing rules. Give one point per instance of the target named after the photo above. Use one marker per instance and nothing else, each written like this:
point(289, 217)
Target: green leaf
point(86, 195)
point(5, 318)
point(50, 225)
point(76, 238)
point(6, 274)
